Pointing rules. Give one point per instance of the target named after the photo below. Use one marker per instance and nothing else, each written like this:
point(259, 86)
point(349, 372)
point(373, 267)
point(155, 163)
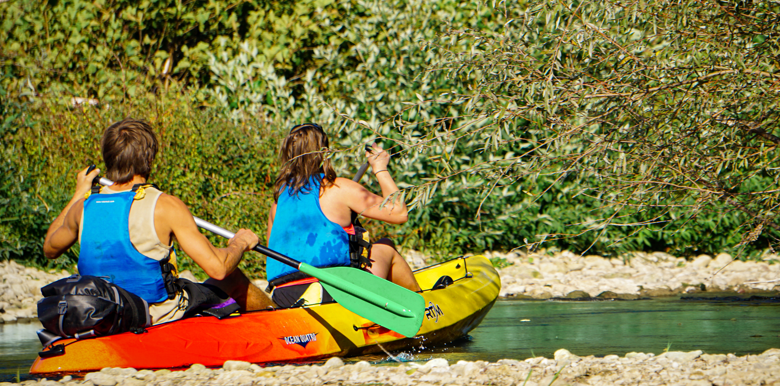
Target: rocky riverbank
point(639, 275)
point(523, 275)
point(20, 290)
point(678, 368)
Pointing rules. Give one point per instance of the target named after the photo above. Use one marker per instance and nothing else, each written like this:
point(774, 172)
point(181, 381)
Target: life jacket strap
point(360, 248)
point(170, 274)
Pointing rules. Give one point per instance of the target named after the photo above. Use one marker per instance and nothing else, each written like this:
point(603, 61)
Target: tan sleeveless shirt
point(143, 236)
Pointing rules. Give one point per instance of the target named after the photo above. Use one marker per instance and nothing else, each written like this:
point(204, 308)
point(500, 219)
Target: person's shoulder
point(167, 202)
point(342, 182)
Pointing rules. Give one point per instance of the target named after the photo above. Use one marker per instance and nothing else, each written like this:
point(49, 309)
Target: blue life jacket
point(302, 232)
point(107, 252)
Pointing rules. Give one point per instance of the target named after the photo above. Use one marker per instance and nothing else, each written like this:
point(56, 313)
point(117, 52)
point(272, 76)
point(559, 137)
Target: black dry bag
point(84, 306)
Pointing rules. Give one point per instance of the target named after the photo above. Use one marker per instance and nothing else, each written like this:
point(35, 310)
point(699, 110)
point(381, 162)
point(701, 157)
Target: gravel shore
point(524, 276)
point(675, 368)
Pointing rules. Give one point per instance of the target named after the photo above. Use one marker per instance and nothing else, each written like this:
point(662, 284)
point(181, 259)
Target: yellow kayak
point(289, 335)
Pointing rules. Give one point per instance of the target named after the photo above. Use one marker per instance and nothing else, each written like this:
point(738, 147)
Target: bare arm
point(271, 216)
point(64, 231)
point(171, 213)
point(368, 204)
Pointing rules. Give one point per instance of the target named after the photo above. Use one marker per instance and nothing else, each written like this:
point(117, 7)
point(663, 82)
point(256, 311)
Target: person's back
point(307, 188)
point(303, 232)
point(126, 231)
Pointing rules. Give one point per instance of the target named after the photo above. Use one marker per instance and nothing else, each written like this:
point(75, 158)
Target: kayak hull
point(289, 335)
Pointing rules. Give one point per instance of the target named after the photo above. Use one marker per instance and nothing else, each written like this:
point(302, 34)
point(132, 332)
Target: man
point(126, 231)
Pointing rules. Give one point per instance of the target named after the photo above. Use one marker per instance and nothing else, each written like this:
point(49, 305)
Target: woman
point(311, 218)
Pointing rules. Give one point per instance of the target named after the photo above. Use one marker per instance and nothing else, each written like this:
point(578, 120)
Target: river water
point(523, 329)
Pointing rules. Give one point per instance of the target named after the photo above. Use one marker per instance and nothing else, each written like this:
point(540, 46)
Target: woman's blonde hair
point(303, 155)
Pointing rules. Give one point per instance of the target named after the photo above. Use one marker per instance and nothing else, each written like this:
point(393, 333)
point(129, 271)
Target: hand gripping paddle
point(378, 300)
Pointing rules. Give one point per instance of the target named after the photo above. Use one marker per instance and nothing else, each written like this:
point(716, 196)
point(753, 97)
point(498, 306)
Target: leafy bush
point(493, 113)
point(222, 171)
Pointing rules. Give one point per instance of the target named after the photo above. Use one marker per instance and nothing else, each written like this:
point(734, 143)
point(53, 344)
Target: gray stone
point(433, 363)
point(711, 359)
point(236, 365)
point(637, 356)
point(701, 262)
point(680, 356)
point(720, 260)
point(132, 382)
point(334, 362)
point(101, 379)
point(563, 354)
point(508, 362)
point(771, 352)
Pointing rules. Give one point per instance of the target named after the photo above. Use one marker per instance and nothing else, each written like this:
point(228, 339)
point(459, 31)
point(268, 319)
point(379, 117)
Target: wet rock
point(577, 295)
point(657, 292)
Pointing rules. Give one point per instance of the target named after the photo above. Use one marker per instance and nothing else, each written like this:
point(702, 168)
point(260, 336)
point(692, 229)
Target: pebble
point(690, 368)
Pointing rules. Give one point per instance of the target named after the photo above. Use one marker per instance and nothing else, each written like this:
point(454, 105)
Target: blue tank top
point(302, 232)
point(107, 252)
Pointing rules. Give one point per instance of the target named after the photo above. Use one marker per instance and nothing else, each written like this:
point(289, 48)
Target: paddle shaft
point(363, 167)
point(310, 270)
point(360, 172)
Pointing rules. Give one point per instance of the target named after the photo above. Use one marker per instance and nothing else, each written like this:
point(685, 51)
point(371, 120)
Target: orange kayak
point(289, 335)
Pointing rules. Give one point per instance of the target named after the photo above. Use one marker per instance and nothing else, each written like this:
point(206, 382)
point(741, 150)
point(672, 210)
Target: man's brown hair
point(303, 156)
point(129, 147)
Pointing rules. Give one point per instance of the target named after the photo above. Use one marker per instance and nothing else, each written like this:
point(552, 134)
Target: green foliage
point(109, 49)
point(641, 126)
point(597, 127)
point(222, 171)
point(499, 262)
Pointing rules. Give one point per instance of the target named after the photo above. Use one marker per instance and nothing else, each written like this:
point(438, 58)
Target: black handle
point(95, 180)
point(363, 167)
point(53, 351)
point(277, 256)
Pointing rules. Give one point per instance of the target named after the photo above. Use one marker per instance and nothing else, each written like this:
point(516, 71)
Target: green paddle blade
point(378, 300)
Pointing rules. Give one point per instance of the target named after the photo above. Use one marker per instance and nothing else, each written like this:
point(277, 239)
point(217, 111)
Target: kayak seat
point(299, 293)
point(443, 282)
